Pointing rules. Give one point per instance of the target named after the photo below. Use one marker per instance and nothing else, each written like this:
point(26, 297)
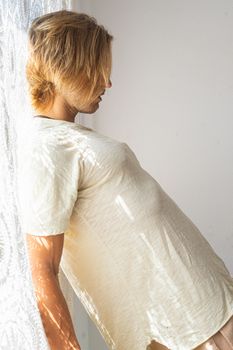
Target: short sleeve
point(48, 187)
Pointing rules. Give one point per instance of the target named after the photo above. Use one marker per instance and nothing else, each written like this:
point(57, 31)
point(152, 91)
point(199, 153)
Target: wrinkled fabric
point(138, 264)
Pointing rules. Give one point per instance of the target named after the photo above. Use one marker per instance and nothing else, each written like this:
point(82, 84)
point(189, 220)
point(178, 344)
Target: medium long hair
point(69, 54)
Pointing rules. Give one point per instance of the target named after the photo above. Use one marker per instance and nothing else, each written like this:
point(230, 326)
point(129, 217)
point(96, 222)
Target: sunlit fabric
point(137, 263)
point(20, 322)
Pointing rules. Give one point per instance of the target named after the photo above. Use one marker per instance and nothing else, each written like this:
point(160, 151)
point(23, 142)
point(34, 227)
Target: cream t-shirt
point(138, 264)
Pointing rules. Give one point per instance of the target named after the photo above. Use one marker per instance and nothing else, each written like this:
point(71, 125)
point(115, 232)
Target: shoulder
point(48, 158)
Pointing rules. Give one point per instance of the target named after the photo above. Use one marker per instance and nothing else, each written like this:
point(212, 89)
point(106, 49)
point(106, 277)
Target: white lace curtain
point(20, 323)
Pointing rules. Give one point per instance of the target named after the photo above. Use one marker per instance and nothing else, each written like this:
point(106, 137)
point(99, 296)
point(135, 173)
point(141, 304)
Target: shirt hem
point(224, 322)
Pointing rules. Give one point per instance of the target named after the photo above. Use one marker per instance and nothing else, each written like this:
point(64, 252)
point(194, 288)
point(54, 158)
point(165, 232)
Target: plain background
point(171, 101)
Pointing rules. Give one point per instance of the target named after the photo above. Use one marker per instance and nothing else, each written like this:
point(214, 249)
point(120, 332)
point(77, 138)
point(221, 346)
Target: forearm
point(54, 312)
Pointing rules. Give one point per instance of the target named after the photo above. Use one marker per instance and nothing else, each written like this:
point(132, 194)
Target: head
point(70, 56)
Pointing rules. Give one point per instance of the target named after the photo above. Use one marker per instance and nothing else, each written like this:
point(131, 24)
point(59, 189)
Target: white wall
point(171, 101)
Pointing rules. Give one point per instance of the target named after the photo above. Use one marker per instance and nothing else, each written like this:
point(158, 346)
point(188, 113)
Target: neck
point(60, 110)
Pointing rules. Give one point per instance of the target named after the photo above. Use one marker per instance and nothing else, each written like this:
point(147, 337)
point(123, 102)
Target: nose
point(109, 84)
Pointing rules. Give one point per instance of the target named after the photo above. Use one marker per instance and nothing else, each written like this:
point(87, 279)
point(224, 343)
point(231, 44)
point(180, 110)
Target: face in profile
point(94, 105)
point(100, 88)
point(74, 104)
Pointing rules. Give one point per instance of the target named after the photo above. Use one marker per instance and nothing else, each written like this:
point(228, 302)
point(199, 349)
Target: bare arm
point(45, 255)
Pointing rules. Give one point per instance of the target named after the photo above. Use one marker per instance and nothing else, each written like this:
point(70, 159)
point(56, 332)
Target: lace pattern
point(20, 323)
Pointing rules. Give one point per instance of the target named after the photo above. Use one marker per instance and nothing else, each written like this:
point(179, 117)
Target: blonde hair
point(70, 54)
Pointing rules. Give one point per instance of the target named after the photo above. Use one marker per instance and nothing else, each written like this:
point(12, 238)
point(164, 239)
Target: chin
point(91, 109)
